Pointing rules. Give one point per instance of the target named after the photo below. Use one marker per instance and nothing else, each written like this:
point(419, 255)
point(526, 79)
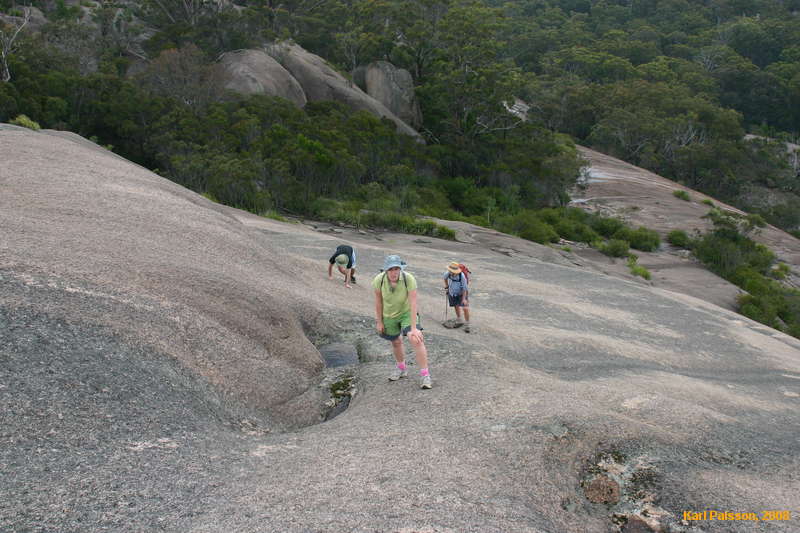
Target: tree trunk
point(5, 75)
point(7, 45)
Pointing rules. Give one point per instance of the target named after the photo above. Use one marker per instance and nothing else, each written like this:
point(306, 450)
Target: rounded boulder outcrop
point(321, 82)
point(391, 86)
point(256, 72)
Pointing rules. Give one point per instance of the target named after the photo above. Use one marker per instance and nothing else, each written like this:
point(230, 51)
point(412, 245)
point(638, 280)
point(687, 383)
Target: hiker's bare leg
point(419, 350)
point(458, 312)
point(466, 313)
point(397, 348)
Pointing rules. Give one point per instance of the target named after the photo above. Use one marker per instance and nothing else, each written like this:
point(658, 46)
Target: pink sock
point(423, 372)
point(401, 366)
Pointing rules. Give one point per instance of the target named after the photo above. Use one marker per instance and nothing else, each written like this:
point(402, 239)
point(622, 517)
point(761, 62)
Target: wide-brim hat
point(342, 259)
point(392, 261)
point(454, 268)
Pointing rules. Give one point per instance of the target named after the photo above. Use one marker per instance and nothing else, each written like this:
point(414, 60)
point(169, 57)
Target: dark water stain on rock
point(338, 409)
point(339, 354)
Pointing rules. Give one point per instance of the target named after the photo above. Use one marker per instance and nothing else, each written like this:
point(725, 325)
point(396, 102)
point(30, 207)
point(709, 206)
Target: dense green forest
point(670, 85)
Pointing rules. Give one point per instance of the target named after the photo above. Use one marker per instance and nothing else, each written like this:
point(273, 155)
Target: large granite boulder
point(391, 86)
point(256, 72)
point(321, 82)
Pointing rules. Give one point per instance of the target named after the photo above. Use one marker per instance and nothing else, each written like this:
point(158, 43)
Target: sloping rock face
point(256, 72)
point(164, 271)
point(321, 82)
point(615, 188)
point(138, 320)
point(391, 86)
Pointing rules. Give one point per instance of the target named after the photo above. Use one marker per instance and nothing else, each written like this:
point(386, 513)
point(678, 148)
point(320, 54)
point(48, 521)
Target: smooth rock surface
point(320, 82)
point(393, 87)
point(256, 72)
point(157, 373)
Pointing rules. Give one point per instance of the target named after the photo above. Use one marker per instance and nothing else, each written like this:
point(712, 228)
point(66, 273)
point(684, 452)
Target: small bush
point(720, 255)
point(751, 281)
point(607, 226)
point(678, 237)
point(404, 223)
point(527, 225)
point(615, 248)
point(443, 232)
point(538, 231)
point(574, 230)
point(760, 309)
point(644, 239)
point(754, 220)
point(780, 271)
point(708, 202)
point(549, 215)
point(25, 122)
point(683, 195)
point(637, 269)
point(274, 216)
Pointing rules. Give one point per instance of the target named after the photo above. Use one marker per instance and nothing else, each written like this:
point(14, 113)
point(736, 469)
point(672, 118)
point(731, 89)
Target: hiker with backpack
point(396, 316)
point(345, 259)
point(456, 286)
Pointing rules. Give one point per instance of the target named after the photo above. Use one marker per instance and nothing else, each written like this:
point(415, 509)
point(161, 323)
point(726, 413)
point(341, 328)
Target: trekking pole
point(445, 307)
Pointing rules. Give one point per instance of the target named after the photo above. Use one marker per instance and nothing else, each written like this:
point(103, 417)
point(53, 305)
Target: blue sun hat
point(392, 261)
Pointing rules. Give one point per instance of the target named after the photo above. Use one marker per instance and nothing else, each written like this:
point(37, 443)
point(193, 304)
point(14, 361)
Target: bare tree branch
point(7, 45)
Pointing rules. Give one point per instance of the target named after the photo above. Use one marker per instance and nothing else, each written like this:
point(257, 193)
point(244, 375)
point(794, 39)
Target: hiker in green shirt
point(395, 305)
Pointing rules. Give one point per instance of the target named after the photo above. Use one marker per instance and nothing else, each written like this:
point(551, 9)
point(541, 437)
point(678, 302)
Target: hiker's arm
point(412, 302)
point(378, 311)
point(330, 270)
point(347, 278)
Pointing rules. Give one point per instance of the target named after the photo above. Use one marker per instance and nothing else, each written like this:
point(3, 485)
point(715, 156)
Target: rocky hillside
point(290, 72)
point(160, 369)
point(615, 188)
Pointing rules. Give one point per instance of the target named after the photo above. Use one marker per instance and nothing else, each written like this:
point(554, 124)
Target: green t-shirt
point(395, 302)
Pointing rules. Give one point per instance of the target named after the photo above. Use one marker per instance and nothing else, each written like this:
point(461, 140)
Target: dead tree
point(7, 38)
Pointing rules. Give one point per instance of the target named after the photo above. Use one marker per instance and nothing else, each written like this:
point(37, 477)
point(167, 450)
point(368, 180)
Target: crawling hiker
point(396, 316)
point(345, 259)
point(456, 286)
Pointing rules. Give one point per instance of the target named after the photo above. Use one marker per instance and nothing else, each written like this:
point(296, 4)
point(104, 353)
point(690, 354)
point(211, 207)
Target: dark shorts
point(455, 301)
point(394, 327)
